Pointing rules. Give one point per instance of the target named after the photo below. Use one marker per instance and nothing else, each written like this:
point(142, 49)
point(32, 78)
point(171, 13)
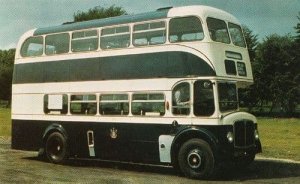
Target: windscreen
point(227, 96)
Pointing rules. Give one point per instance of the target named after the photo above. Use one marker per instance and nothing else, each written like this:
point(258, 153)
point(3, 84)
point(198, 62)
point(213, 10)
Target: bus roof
point(202, 11)
point(103, 22)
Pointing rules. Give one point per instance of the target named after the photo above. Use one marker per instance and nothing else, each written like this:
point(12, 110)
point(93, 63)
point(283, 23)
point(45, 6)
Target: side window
point(83, 104)
point(230, 67)
point(149, 33)
point(56, 104)
point(57, 44)
point(185, 29)
point(116, 37)
point(236, 35)
point(84, 41)
point(33, 46)
point(241, 67)
point(148, 104)
point(181, 99)
point(114, 104)
point(203, 98)
point(218, 30)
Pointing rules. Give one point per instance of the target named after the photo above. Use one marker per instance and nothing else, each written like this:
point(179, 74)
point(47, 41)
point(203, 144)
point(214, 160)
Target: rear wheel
point(196, 159)
point(56, 148)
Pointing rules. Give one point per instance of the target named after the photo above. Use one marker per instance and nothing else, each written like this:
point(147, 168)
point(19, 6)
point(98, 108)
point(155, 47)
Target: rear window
point(33, 46)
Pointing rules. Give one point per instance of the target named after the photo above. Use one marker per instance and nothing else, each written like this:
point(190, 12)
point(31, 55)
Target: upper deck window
point(149, 33)
point(236, 35)
point(33, 46)
point(185, 29)
point(84, 41)
point(57, 44)
point(218, 30)
point(115, 37)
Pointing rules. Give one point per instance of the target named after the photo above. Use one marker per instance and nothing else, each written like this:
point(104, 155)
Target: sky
point(263, 17)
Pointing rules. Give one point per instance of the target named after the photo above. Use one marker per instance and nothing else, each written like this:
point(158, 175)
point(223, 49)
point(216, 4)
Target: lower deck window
point(56, 104)
point(114, 104)
point(181, 99)
point(146, 104)
point(83, 104)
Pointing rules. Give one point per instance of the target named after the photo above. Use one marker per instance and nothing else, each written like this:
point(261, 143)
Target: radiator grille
point(244, 133)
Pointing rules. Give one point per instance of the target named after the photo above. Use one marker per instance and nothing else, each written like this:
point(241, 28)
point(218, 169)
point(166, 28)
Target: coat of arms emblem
point(113, 133)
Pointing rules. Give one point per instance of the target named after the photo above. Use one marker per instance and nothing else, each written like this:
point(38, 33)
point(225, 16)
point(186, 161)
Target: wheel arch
point(191, 133)
point(55, 127)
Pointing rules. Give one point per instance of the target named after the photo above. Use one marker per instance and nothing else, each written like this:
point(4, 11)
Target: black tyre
point(196, 159)
point(56, 148)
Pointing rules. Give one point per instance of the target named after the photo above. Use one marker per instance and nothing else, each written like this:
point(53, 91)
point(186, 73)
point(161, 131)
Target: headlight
point(256, 135)
point(230, 137)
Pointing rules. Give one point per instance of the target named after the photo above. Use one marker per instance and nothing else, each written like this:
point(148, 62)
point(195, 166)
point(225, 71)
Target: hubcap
point(54, 148)
point(194, 159)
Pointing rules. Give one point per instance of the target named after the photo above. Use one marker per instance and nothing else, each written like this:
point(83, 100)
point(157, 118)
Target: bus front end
point(242, 140)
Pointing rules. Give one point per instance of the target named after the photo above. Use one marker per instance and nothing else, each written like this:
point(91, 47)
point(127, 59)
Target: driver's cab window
point(181, 99)
point(203, 98)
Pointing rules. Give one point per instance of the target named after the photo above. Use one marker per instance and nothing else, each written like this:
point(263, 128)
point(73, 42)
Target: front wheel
point(196, 159)
point(56, 148)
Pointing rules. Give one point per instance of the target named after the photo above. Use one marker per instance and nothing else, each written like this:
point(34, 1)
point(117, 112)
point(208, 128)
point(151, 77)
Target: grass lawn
point(5, 122)
point(280, 137)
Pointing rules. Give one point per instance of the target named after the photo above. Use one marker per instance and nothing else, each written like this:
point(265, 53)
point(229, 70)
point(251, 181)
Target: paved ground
point(25, 167)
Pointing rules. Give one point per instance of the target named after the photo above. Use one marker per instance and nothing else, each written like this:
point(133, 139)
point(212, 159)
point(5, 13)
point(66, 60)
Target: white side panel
point(165, 143)
point(96, 86)
point(29, 104)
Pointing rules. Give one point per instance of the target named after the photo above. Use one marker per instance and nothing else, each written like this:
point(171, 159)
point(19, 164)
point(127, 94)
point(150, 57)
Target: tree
point(297, 28)
point(251, 41)
point(99, 13)
point(6, 71)
point(278, 73)
point(248, 96)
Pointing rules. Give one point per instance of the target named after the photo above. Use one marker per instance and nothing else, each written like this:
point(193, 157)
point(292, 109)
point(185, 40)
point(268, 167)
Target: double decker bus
point(153, 88)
